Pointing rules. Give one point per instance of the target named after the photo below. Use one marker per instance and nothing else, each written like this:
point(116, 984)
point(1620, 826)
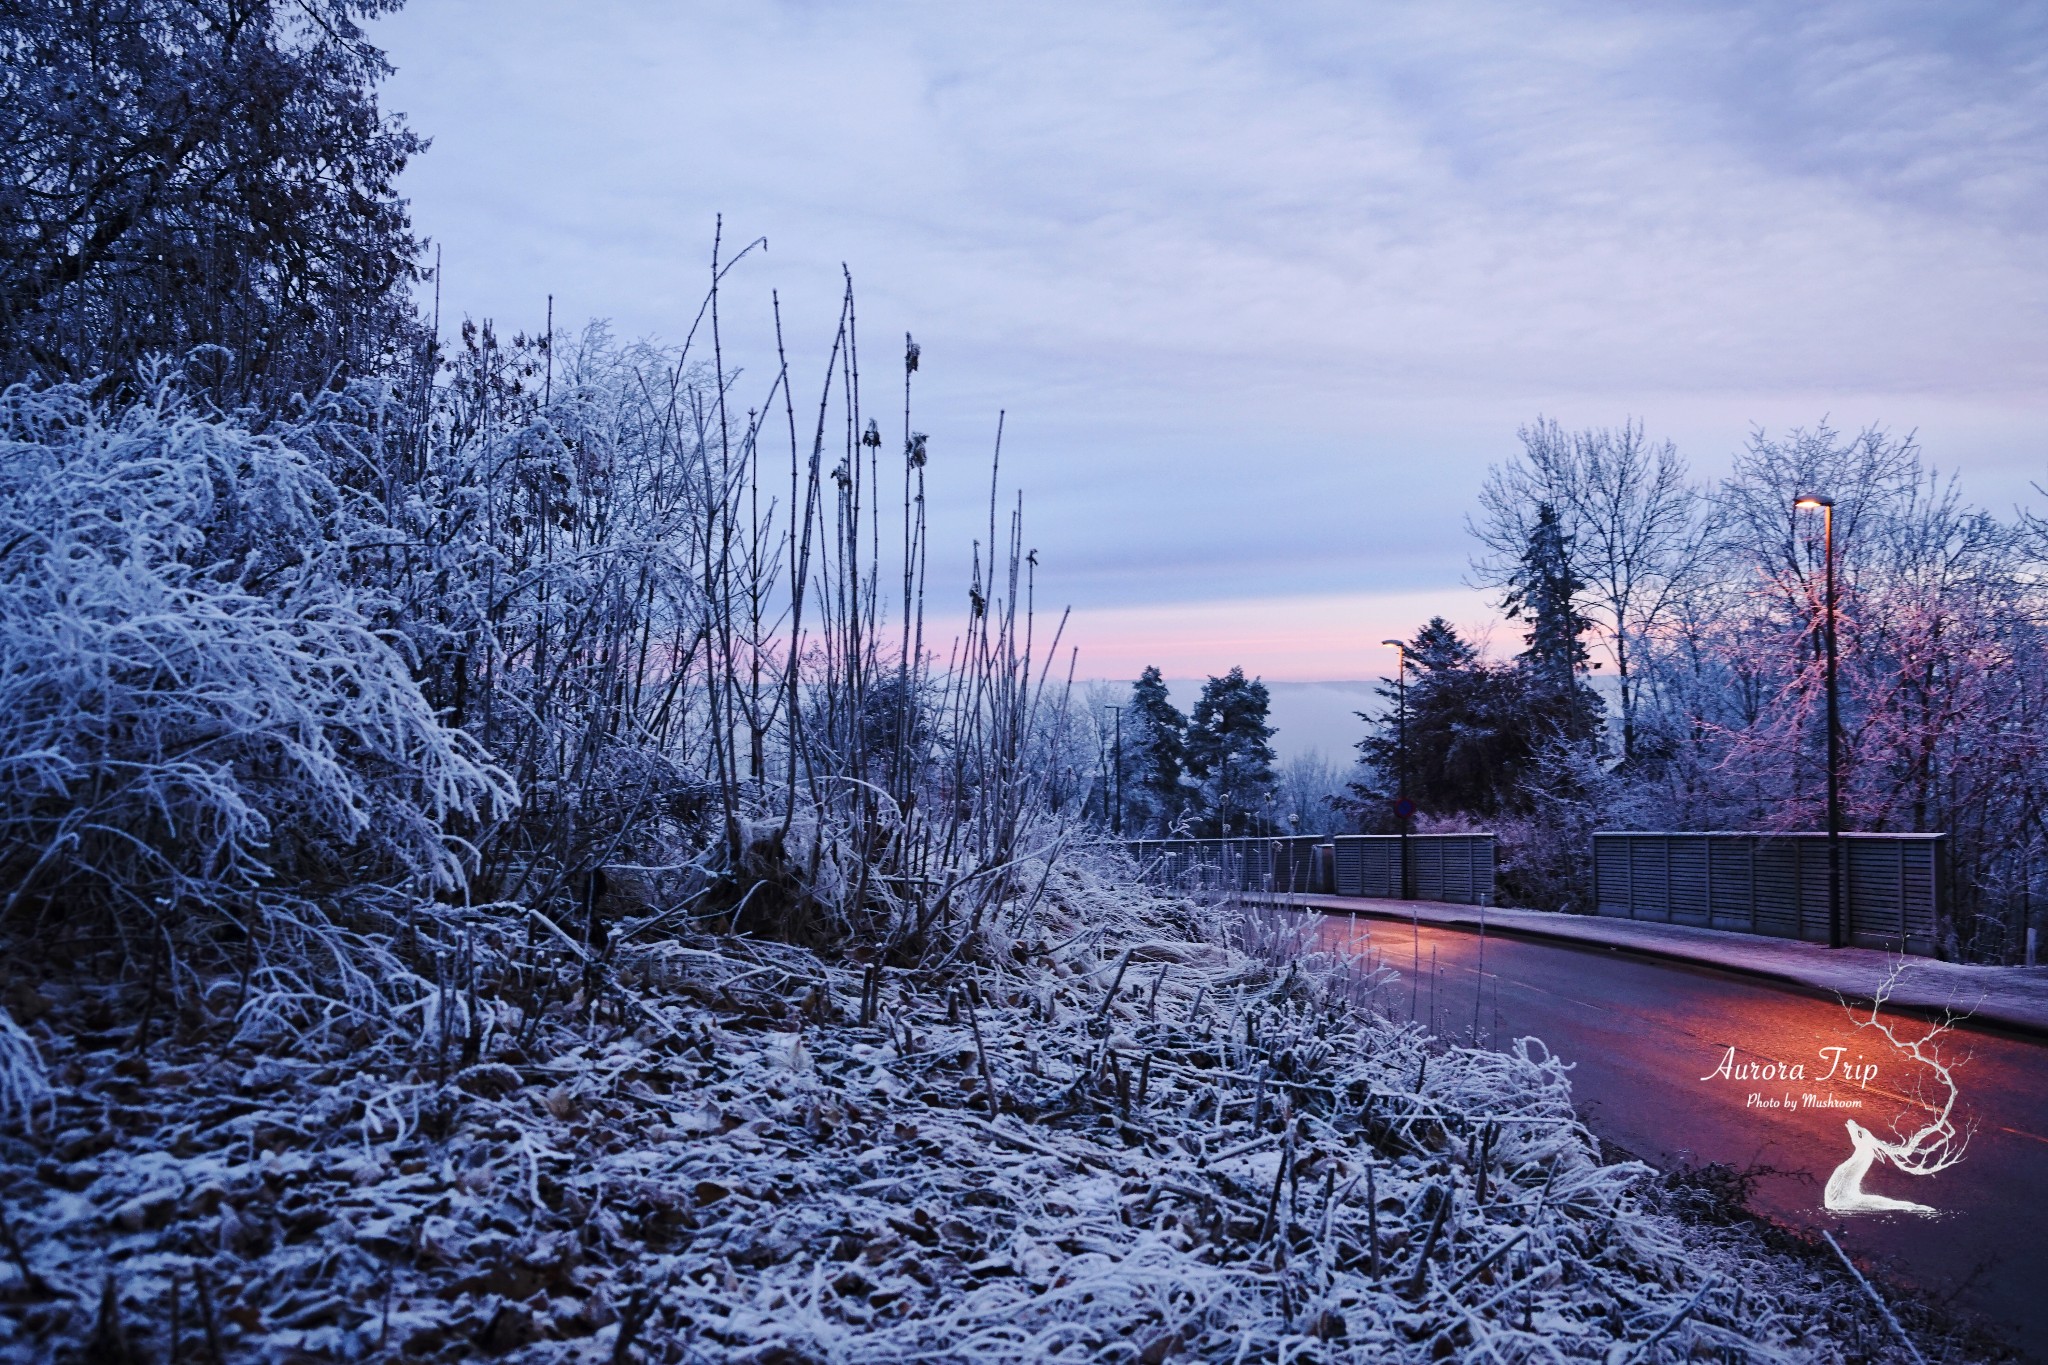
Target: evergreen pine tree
point(1438, 648)
point(1473, 728)
point(1228, 755)
point(1155, 751)
point(1544, 592)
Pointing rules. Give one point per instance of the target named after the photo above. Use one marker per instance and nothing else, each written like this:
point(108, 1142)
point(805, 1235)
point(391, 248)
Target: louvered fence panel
point(1382, 864)
point(1448, 867)
point(1877, 889)
point(1425, 869)
point(1349, 857)
point(1731, 893)
point(1649, 888)
point(1922, 871)
point(1777, 884)
point(1442, 867)
point(1614, 893)
point(1686, 878)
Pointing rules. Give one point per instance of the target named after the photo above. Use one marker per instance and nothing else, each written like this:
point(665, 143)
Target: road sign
point(1404, 809)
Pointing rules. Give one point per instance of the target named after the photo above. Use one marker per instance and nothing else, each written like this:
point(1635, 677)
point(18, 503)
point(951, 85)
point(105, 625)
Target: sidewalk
point(2014, 998)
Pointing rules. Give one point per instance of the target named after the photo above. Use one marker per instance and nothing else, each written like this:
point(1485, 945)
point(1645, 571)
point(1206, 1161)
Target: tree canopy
point(1472, 729)
point(1228, 754)
point(1155, 753)
point(178, 175)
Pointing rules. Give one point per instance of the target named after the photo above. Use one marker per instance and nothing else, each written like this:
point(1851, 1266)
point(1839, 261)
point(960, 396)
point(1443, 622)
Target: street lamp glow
point(1813, 502)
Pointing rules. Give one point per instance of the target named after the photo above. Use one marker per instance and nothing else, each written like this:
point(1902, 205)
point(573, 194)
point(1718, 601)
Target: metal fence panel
point(1778, 890)
point(1247, 864)
point(1776, 884)
point(1449, 867)
point(1685, 881)
point(1731, 887)
point(1380, 863)
point(1441, 867)
point(1347, 857)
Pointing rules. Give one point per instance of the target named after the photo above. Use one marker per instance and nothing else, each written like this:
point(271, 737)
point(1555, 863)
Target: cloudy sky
point(1264, 289)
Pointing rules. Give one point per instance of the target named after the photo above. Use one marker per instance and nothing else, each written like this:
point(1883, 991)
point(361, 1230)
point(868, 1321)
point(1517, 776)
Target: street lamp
point(1826, 506)
point(1223, 794)
point(1116, 822)
point(1401, 753)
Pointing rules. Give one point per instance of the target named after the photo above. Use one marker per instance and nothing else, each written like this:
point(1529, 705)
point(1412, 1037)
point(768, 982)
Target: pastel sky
point(1265, 288)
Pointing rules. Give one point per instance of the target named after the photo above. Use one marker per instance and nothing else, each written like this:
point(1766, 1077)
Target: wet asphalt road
point(1647, 1037)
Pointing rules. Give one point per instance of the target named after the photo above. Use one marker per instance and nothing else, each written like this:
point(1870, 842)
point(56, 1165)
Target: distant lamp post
point(1116, 820)
point(1826, 507)
point(1401, 754)
point(1223, 793)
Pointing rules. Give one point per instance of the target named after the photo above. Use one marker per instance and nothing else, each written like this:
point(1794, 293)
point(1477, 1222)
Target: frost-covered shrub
point(24, 1090)
point(194, 714)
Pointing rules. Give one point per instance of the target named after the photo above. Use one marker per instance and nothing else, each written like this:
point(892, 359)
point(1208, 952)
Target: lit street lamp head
point(1810, 501)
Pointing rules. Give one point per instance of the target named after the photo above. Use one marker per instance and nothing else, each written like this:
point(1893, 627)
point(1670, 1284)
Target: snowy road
point(1653, 1073)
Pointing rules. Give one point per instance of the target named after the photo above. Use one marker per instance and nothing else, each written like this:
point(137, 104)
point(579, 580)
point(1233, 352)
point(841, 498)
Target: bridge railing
point(1777, 884)
point(1446, 867)
point(1441, 867)
point(1264, 864)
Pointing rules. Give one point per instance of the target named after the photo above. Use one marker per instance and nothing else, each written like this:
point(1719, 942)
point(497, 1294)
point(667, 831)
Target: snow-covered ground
point(1200, 1145)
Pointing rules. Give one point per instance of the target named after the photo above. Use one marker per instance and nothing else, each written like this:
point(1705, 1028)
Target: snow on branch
point(195, 715)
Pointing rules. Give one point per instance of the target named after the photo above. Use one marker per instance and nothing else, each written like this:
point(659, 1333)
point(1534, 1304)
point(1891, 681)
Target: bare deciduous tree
point(1633, 522)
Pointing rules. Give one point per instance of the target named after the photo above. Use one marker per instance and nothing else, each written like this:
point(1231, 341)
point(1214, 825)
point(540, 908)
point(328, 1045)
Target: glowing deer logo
point(1934, 1148)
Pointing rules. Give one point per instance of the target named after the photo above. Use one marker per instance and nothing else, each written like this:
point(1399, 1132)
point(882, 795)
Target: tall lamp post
point(1223, 796)
point(1116, 821)
point(1826, 507)
point(1401, 752)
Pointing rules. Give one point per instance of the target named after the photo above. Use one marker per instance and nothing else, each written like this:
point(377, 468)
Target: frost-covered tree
point(1942, 664)
point(1941, 649)
point(1155, 752)
point(1228, 754)
point(1310, 786)
point(1634, 524)
point(1472, 731)
point(177, 175)
point(1544, 591)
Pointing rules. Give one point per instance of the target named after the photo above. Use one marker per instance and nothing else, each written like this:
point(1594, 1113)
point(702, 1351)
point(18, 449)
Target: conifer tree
point(1155, 750)
point(1227, 752)
point(1544, 591)
point(1471, 731)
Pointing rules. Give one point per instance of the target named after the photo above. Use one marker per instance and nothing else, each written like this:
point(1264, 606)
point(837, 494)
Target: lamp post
point(1223, 795)
point(1116, 821)
point(1826, 507)
point(1401, 751)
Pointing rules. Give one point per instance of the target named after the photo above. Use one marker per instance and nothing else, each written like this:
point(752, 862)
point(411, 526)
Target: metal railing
point(1446, 867)
point(1458, 868)
point(1269, 864)
point(1777, 884)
